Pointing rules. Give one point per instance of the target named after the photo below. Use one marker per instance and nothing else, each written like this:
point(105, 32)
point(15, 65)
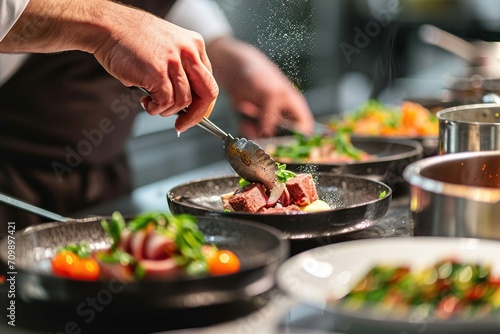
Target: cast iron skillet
point(357, 204)
point(390, 159)
point(260, 249)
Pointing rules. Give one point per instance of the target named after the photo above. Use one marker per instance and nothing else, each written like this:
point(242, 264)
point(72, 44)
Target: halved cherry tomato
point(87, 269)
point(64, 263)
point(68, 264)
point(224, 262)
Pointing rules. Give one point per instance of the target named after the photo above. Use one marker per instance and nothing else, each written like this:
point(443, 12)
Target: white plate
point(327, 272)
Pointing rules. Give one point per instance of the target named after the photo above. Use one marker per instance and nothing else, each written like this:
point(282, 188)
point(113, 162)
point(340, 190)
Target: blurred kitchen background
point(339, 53)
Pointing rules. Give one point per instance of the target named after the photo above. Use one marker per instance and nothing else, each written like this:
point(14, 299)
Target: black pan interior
point(356, 204)
point(259, 248)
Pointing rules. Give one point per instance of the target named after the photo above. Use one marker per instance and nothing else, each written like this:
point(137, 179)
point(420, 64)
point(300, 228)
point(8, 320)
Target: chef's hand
point(258, 89)
point(169, 61)
point(137, 48)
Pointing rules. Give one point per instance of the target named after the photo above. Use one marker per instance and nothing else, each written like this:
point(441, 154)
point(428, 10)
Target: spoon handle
point(32, 209)
point(206, 124)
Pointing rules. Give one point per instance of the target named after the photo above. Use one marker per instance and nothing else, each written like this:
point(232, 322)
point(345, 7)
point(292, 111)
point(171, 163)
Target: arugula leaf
point(283, 174)
point(82, 250)
point(343, 145)
point(242, 182)
point(118, 256)
point(182, 228)
point(159, 219)
point(189, 238)
point(114, 228)
point(300, 149)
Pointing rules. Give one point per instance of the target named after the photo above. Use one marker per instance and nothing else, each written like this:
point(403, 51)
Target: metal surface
point(473, 127)
point(483, 57)
point(11, 201)
point(456, 195)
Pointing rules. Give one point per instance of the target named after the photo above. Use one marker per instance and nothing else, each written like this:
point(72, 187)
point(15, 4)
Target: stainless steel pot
point(466, 128)
point(456, 195)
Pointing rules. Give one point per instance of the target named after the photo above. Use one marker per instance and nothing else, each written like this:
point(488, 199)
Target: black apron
point(64, 122)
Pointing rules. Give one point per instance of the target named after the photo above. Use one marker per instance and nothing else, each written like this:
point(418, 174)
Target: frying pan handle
point(9, 200)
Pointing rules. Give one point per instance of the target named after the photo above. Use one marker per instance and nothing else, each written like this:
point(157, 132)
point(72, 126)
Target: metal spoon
point(12, 201)
point(246, 157)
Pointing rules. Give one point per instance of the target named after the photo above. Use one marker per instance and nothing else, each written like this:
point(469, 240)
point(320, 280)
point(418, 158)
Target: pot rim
point(442, 113)
point(412, 175)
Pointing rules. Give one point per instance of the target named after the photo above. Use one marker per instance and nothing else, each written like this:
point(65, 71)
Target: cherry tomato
point(68, 264)
point(224, 262)
point(87, 269)
point(65, 263)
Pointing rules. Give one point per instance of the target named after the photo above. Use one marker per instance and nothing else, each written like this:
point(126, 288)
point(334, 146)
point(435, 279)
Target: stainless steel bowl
point(467, 128)
point(456, 195)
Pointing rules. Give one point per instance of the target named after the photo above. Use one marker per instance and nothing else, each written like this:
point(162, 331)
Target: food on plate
point(293, 194)
point(448, 289)
point(373, 118)
point(151, 245)
point(319, 148)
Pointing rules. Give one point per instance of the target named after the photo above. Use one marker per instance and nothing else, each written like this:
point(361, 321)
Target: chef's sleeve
point(203, 16)
point(10, 11)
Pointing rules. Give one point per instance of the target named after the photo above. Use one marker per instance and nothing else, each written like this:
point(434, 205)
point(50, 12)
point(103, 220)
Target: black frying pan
point(429, 143)
point(260, 249)
point(390, 159)
point(356, 201)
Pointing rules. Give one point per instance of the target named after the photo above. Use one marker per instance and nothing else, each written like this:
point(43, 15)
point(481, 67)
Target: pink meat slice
point(291, 209)
point(137, 244)
point(160, 268)
point(158, 247)
point(302, 189)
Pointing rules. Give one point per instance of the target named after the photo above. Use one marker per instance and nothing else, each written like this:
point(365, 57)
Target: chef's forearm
point(60, 25)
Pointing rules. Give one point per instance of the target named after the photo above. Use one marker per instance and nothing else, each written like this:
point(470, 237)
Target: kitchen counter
point(273, 313)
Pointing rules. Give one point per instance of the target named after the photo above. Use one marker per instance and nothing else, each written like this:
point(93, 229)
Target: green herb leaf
point(343, 145)
point(242, 182)
point(283, 174)
point(114, 228)
point(82, 250)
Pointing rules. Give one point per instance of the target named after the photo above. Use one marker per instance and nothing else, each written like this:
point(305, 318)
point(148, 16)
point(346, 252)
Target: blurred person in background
point(64, 120)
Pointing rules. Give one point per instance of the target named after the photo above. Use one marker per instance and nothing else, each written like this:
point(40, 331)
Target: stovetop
point(272, 312)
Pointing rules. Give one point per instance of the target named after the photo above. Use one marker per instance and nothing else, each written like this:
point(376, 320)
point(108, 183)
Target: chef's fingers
point(162, 99)
point(182, 90)
point(204, 91)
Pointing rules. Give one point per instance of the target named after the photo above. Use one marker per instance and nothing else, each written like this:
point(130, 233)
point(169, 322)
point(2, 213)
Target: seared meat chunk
point(302, 189)
point(250, 198)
